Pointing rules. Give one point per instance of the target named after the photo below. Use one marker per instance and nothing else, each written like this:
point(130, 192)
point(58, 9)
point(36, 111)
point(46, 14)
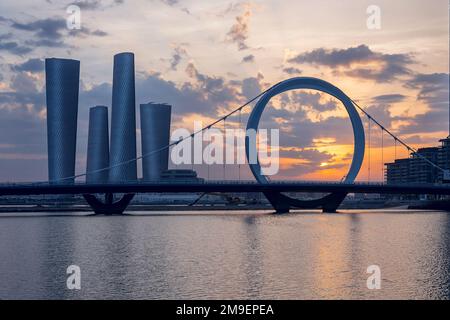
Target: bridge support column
point(333, 202)
point(108, 207)
point(282, 203)
point(278, 202)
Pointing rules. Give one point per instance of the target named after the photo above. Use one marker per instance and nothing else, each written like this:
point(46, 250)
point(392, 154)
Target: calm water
point(241, 256)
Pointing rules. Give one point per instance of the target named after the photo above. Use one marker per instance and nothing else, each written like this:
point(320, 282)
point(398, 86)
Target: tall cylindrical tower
point(98, 146)
point(123, 120)
point(62, 78)
point(155, 134)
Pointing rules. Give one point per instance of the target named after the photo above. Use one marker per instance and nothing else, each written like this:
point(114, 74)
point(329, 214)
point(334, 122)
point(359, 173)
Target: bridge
point(273, 190)
point(226, 186)
point(269, 189)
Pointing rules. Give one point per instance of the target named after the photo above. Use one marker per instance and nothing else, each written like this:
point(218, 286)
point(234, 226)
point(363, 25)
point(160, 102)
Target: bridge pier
point(108, 207)
point(278, 202)
point(282, 204)
point(333, 202)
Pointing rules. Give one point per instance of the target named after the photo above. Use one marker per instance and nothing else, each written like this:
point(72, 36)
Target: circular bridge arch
point(358, 132)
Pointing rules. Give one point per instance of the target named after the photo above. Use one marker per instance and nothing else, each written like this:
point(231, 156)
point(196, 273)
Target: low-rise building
point(416, 169)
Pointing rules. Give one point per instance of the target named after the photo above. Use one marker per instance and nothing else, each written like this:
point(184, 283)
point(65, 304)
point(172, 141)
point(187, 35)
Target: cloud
point(11, 46)
point(24, 83)
point(310, 155)
point(216, 89)
point(32, 65)
point(292, 70)
point(432, 87)
point(296, 162)
point(170, 2)
point(381, 113)
point(359, 62)
point(47, 43)
point(300, 142)
point(173, 4)
point(314, 101)
point(24, 94)
point(51, 32)
point(99, 94)
point(248, 59)
point(177, 55)
point(44, 28)
point(334, 57)
point(389, 98)
point(5, 36)
point(292, 116)
point(93, 5)
point(14, 48)
point(252, 86)
point(99, 33)
point(433, 90)
point(88, 4)
point(23, 138)
point(22, 133)
point(239, 31)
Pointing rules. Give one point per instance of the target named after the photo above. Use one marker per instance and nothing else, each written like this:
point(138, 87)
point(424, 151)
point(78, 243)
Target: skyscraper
point(123, 120)
point(155, 134)
point(62, 78)
point(98, 146)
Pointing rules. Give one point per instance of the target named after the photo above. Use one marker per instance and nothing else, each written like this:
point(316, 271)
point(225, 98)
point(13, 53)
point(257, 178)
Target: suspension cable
point(382, 154)
point(192, 157)
point(224, 146)
point(395, 149)
point(409, 148)
point(208, 170)
point(238, 151)
point(368, 165)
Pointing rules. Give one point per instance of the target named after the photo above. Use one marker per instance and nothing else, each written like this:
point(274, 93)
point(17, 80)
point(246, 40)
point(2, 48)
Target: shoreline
point(172, 208)
point(70, 209)
point(86, 208)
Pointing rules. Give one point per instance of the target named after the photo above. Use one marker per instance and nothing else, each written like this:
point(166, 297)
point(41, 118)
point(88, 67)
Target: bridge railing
point(224, 182)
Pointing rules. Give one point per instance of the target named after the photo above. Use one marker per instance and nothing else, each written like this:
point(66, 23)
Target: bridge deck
point(140, 187)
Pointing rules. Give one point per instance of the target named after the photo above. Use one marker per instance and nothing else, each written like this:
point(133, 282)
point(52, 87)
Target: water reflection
point(252, 258)
point(227, 256)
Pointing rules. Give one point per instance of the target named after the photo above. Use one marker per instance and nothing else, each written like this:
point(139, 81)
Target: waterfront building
point(98, 146)
point(155, 135)
point(62, 77)
point(416, 169)
point(123, 120)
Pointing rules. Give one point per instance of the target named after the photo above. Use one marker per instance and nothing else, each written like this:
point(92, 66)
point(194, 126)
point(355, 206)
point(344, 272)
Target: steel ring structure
point(281, 201)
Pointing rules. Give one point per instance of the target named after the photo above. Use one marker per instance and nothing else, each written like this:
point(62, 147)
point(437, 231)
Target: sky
point(208, 57)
